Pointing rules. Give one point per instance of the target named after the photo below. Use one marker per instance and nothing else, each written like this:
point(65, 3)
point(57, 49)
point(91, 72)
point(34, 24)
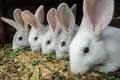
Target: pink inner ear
point(91, 12)
point(67, 25)
point(53, 25)
point(40, 13)
point(51, 19)
point(30, 20)
point(98, 13)
point(18, 18)
point(41, 16)
point(34, 23)
point(64, 19)
point(94, 22)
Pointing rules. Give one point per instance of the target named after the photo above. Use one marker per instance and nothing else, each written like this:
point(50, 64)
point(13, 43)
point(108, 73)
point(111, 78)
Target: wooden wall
point(2, 37)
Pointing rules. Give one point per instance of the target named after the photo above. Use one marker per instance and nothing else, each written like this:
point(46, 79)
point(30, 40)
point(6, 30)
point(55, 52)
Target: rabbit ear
point(73, 9)
point(40, 13)
point(52, 19)
point(65, 18)
point(11, 22)
point(58, 30)
point(29, 18)
point(18, 17)
point(98, 14)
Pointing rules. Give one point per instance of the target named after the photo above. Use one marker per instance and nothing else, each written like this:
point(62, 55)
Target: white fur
point(50, 35)
point(52, 32)
point(37, 28)
point(66, 19)
point(103, 41)
point(48, 48)
point(36, 45)
point(22, 30)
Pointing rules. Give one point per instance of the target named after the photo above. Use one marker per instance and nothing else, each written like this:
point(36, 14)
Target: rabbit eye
point(35, 38)
point(86, 50)
point(48, 42)
point(63, 43)
point(20, 38)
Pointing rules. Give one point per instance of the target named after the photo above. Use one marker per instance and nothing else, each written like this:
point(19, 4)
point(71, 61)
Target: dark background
point(7, 7)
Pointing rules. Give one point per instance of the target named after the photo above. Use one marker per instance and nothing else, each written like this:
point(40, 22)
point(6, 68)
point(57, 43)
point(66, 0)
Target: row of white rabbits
point(56, 36)
point(94, 43)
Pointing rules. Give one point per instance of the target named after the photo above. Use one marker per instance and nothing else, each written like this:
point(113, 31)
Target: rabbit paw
point(106, 69)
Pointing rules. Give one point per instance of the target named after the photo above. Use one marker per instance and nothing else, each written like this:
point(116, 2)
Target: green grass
point(37, 61)
point(34, 62)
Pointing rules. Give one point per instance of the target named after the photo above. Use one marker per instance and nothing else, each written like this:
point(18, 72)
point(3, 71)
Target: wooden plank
point(2, 38)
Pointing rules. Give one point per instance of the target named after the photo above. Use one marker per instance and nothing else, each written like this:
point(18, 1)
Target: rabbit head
point(37, 28)
point(20, 39)
point(48, 42)
point(66, 21)
point(88, 46)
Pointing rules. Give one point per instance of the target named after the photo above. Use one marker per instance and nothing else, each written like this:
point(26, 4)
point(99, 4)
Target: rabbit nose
point(44, 51)
point(73, 70)
point(14, 47)
point(58, 56)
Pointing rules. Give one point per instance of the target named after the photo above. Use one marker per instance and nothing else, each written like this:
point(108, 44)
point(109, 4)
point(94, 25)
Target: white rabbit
point(20, 39)
point(66, 20)
point(48, 42)
point(37, 28)
point(95, 42)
